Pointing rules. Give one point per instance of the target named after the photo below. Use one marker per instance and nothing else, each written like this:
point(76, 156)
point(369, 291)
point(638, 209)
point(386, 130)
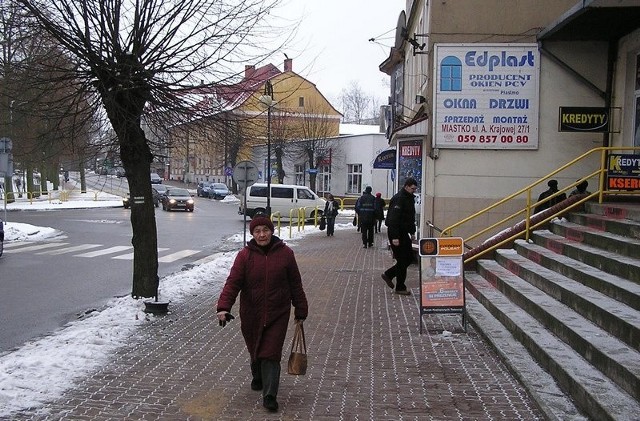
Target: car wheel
point(258, 212)
point(312, 217)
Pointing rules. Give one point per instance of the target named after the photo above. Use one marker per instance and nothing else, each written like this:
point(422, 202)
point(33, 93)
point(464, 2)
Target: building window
point(354, 178)
point(299, 169)
point(301, 101)
point(324, 179)
point(451, 74)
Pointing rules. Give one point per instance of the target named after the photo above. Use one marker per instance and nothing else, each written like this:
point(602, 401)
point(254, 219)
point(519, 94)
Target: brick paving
point(368, 360)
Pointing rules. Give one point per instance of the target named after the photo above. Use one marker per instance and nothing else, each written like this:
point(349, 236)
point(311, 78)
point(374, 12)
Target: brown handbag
point(298, 358)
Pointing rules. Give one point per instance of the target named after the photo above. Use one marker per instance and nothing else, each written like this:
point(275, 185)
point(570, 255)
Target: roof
point(595, 20)
point(358, 129)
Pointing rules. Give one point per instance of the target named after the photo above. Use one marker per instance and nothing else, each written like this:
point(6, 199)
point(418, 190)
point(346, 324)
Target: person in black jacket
point(330, 213)
point(553, 188)
point(401, 229)
point(366, 218)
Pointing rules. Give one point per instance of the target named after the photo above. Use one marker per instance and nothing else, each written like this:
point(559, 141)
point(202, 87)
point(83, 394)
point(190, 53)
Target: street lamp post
point(268, 100)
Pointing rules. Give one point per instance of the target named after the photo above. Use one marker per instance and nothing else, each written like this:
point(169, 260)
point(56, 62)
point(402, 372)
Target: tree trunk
point(83, 177)
point(136, 160)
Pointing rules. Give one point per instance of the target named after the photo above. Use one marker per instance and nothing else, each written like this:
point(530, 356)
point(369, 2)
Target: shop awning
point(416, 128)
point(386, 160)
point(595, 20)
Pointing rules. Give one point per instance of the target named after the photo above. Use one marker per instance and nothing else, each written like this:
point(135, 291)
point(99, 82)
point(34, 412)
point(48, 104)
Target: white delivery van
point(284, 198)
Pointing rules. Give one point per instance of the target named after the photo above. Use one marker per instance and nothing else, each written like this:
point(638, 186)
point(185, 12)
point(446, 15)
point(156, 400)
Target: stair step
point(630, 211)
point(608, 314)
point(616, 359)
point(553, 402)
point(596, 394)
point(594, 236)
point(622, 227)
point(611, 285)
point(616, 264)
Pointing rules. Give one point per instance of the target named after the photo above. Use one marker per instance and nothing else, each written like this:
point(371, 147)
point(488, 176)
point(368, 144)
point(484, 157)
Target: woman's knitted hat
point(261, 220)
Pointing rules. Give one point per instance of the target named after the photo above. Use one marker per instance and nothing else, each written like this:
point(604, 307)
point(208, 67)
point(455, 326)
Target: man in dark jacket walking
point(401, 228)
point(366, 216)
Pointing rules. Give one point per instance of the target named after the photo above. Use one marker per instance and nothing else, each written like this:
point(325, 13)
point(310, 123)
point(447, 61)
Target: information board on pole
point(245, 174)
point(442, 277)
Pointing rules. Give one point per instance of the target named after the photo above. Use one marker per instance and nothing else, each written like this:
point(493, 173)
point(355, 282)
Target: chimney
point(248, 71)
point(288, 65)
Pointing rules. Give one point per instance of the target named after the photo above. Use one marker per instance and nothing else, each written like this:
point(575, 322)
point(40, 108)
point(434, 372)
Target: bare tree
point(43, 115)
point(144, 56)
point(356, 105)
point(316, 130)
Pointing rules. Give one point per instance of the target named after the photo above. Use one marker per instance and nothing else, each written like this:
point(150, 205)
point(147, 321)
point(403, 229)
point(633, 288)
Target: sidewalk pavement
point(368, 360)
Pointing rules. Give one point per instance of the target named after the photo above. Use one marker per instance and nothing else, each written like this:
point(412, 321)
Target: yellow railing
point(299, 219)
point(597, 174)
point(62, 195)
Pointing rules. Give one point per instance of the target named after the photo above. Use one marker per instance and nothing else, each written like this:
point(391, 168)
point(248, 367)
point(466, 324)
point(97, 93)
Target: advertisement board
point(441, 276)
point(486, 96)
point(623, 172)
point(583, 119)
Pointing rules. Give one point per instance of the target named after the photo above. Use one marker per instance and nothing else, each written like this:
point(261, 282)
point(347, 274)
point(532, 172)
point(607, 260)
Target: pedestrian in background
point(265, 274)
point(581, 188)
point(330, 213)
point(378, 211)
point(401, 229)
point(366, 218)
point(553, 188)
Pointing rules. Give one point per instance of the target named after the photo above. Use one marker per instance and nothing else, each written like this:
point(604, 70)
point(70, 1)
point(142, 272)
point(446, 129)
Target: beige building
point(478, 87)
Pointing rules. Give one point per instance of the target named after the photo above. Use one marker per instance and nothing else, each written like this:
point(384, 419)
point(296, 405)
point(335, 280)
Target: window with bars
point(324, 179)
point(299, 170)
point(354, 178)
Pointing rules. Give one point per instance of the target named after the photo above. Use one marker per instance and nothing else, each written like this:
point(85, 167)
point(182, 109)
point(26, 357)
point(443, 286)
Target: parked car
point(177, 198)
point(1, 236)
point(155, 178)
point(284, 199)
point(203, 189)
point(158, 190)
point(218, 191)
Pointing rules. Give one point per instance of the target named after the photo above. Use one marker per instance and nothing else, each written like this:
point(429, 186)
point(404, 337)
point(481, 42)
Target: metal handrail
point(526, 212)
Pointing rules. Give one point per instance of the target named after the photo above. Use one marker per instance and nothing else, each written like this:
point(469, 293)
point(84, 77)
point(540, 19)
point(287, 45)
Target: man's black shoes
point(388, 280)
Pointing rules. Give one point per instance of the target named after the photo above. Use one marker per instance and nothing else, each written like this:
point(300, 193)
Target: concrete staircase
point(571, 298)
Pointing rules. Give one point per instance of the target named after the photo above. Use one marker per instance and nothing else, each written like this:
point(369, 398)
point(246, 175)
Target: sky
point(332, 47)
point(42, 370)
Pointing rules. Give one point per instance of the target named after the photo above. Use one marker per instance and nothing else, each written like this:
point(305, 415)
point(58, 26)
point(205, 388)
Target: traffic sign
point(245, 174)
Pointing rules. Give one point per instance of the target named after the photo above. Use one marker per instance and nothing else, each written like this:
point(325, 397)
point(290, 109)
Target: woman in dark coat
point(378, 211)
point(330, 212)
point(266, 276)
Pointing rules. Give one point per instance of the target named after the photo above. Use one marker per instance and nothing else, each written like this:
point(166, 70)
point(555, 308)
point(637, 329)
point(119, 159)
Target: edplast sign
point(486, 96)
